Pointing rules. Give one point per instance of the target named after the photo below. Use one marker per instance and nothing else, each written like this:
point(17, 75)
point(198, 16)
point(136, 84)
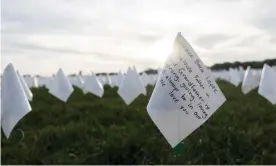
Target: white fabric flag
point(114, 80)
point(118, 79)
point(26, 89)
point(15, 104)
point(131, 87)
point(151, 79)
point(274, 68)
point(250, 81)
point(103, 80)
point(143, 89)
point(49, 82)
point(109, 81)
point(93, 85)
point(41, 81)
point(31, 82)
point(28, 81)
point(145, 79)
point(241, 73)
point(78, 81)
point(267, 87)
point(81, 82)
point(60, 86)
point(159, 72)
point(235, 77)
point(35, 82)
point(185, 95)
point(224, 75)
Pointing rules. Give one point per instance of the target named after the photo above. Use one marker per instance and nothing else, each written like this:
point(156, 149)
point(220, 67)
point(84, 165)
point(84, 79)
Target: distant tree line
point(151, 71)
point(253, 64)
point(228, 65)
point(219, 66)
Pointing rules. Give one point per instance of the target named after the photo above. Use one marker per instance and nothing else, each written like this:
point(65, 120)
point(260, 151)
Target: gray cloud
point(209, 41)
point(147, 38)
point(33, 47)
point(267, 23)
point(264, 16)
point(18, 48)
point(123, 28)
point(18, 23)
point(273, 39)
point(232, 55)
point(248, 41)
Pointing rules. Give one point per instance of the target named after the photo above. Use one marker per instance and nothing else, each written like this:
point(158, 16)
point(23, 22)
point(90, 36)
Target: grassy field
point(90, 130)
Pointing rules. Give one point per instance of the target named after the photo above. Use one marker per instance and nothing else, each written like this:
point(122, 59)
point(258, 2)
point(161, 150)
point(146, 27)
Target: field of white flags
point(186, 113)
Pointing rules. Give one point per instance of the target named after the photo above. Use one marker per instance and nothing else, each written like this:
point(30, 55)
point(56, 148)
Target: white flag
point(145, 79)
point(25, 87)
point(15, 104)
point(60, 86)
point(117, 79)
point(120, 78)
point(274, 68)
point(185, 95)
point(35, 82)
point(81, 80)
point(141, 83)
point(93, 85)
point(235, 77)
point(30, 82)
point(49, 82)
point(77, 81)
point(131, 87)
point(109, 81)
point(267, 87)
point(250, 81)
point(241, 73)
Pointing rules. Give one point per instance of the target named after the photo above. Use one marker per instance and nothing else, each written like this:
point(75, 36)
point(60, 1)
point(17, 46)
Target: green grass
point(91, 130)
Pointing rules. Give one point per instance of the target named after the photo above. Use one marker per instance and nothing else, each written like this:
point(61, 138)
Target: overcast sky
point(40, 36)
